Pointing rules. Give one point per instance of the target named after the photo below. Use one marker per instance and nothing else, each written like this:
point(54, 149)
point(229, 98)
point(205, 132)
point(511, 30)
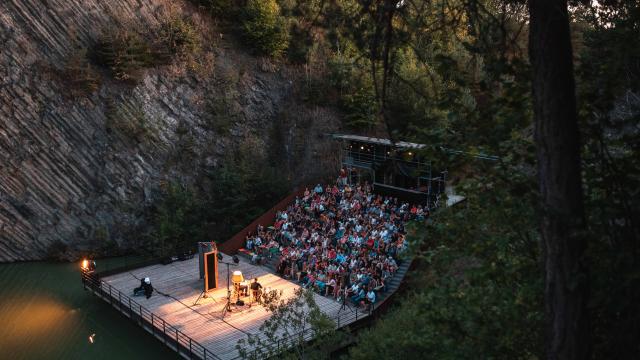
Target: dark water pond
point(46, 314)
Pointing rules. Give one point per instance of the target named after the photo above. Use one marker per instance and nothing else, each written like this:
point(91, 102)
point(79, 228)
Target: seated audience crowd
point(340, 241)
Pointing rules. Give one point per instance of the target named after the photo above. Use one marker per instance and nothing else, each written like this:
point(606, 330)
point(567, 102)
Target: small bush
point(179, 37)
point(222, 112)
point(81, 78)
point(264, 28)
point(125, 53)
point(129, 120)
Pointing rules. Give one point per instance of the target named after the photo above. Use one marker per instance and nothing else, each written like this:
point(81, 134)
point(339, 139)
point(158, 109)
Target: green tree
point(476, 292)
point(608, 79)
point(243, 188)
point(176, 221)
point(264, 28)
point(287, 332)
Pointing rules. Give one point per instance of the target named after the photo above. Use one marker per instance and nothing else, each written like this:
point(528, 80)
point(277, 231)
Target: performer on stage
point(255, 290)
point(145, 288)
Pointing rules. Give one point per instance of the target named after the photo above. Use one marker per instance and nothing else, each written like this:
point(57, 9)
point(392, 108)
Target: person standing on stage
point(255, 290)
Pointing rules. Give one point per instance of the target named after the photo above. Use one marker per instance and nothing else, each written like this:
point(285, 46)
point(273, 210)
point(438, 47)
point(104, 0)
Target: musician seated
point(244, 288)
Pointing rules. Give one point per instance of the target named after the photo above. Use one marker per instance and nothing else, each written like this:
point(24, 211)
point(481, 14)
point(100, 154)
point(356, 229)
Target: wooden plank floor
point(178, 287)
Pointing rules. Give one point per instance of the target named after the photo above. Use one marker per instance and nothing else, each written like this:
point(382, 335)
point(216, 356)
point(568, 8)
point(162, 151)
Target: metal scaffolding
point(393, 170)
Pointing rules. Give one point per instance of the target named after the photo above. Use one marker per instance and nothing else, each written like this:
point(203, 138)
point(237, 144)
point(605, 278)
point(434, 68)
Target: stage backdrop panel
point(210, 270)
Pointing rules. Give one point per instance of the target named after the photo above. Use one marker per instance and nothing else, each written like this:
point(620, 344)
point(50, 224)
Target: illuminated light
point(85, 264)
point(237, 277)
point(410, 153)
point(91, 338)
point(361, 147)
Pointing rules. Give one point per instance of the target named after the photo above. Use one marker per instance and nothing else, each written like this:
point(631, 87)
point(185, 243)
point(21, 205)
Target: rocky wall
point(68, 178)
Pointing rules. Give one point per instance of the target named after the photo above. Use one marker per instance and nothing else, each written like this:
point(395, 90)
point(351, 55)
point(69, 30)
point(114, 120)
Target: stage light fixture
point(237, 277)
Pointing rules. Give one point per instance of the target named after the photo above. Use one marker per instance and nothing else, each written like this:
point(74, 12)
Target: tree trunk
point(558, 152)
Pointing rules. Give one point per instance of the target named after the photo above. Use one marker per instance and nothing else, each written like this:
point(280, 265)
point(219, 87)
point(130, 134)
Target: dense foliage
point(478, 290)
point(492, 307)
point(609, 95)
point(242, 188)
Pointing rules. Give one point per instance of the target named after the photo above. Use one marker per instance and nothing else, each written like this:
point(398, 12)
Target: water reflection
point(46, 314)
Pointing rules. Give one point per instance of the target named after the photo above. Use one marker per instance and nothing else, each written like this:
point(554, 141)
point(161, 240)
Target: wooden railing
point(173, 338)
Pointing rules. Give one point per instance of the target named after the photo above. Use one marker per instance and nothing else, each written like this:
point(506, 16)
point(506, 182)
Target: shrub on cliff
point(264, 28)
point(220, 8)
point(80, 77)
point(125, 53)
point(130, 120)
point(179, 37)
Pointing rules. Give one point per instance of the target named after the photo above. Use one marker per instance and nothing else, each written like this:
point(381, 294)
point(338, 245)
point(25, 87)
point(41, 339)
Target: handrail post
point(130, 309)
point(153, 328)
point(110, 296)
point(141, 323)
point(120, 300)
point(190, 350)
point(177, 342)
point(164, 331)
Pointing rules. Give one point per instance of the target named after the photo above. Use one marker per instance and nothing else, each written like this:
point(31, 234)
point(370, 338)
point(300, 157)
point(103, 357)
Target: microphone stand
point(227, 307)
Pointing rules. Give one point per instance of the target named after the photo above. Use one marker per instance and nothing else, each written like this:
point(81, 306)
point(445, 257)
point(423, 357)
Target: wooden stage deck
point(178, 287)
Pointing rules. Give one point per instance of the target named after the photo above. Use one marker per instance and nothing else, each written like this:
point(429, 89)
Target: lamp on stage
point(237, 278)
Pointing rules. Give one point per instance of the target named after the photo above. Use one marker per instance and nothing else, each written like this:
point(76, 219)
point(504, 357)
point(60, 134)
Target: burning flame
point(85, 264)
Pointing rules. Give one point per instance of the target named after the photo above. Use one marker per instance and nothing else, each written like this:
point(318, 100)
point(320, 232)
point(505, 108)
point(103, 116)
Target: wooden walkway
point(177, 287)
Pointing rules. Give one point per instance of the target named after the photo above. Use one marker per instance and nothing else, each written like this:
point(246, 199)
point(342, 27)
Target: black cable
point(195, 310)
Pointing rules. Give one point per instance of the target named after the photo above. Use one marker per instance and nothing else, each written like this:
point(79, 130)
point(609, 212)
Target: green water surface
point(46, 314)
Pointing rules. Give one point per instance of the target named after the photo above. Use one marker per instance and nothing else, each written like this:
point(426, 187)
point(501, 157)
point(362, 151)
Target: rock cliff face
point(66, 174)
